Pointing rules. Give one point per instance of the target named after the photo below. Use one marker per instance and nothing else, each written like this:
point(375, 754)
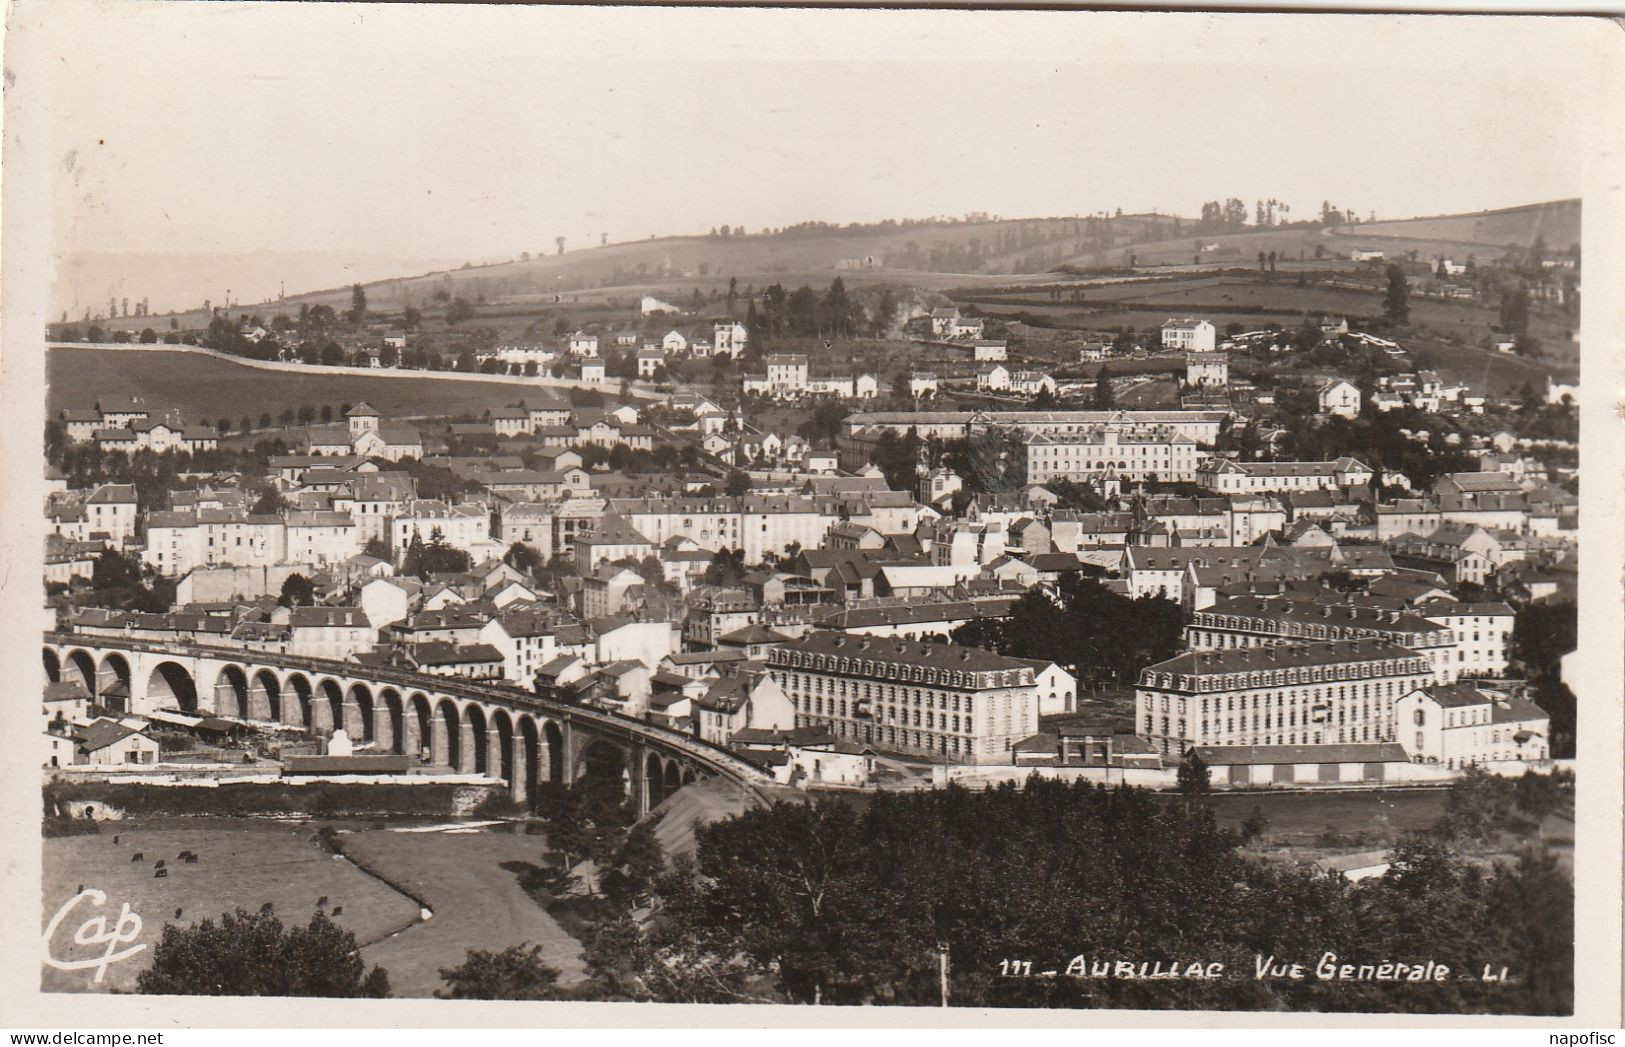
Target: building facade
point(963, 703)
point(1295, 694)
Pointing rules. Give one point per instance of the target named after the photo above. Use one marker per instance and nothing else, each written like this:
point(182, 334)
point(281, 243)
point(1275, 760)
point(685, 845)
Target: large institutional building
point(1130, 452)
point(964, 703)
point(1296, 694)
point(1241, 622)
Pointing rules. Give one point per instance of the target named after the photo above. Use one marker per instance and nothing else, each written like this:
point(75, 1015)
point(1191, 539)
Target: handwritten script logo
point(94, 932)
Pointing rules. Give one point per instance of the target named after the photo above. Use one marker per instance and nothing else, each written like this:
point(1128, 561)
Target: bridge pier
point(519, 780)
point(353, 726)
point(637, 759)
point(411, 742)
point(466, 762)
point(383, 727)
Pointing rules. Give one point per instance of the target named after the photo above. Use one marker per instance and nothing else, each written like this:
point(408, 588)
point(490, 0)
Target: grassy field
point(207, 388)
point(1558, 222)
point(241, 863)
point(477, 903)
point(1302, 816)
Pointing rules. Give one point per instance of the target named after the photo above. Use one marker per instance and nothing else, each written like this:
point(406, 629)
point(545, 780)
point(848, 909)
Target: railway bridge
point(471, 727)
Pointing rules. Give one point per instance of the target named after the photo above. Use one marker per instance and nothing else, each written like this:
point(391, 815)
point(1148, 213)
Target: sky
point(315, 144)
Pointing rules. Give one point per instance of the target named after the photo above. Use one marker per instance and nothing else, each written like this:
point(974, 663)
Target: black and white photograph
point(812, 509)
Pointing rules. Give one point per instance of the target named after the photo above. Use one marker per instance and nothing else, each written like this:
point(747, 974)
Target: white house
point(583, 344)
point(1189, 335)
point(1457, 725)
point(1207, 369)
point(1339, 397)
point(1031, 383)
point(990, 350)
point(992, 378)
point(674, 342)
point(729, 339)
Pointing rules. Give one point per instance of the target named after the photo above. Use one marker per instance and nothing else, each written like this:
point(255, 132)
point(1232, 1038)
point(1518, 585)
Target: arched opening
point(113, 683)
point(265, 696)
point(171, 687)
point(300, 709)
point(53, 666)
point(448, 740)
point(502, 744)
point(231, 692)
point(328, 708)
point(530, 749)
point(555, 752)
point(358, 722)
point(654, 781)
point(688, 777)
point(603, 766)
point(421, 728)
point(674, 779)
point(392, 722)
point(478, 742)
point(81, 669)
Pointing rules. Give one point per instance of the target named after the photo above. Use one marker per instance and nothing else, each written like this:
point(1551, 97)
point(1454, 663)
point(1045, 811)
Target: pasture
point(205, 388)
point(471, 882)
point(241, 863)
point(1297, 816)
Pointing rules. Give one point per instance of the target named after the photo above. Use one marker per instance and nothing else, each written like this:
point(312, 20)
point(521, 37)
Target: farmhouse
point(1189, 335)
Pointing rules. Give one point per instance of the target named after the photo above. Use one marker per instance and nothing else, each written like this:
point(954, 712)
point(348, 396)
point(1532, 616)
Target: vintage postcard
point(1066, 517)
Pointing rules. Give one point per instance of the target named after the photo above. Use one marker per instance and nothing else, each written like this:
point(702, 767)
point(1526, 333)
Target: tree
point(297, 591)
point(435, 556)
point(222, 426)
point(458, 311)
point(148, 336)
point(1194, 778)
point(253, 955)
point(516, 973)
point(358, 304)
point(738, 483)
point(1254, 825)
point(637, 862)
point(1479, 806)
point(1542, 634)
point(332, 355)
point(1396, 300)
point(114, 570)
point(1103, 399)
point(269, 502)
point(376, 548)
point(522, 558)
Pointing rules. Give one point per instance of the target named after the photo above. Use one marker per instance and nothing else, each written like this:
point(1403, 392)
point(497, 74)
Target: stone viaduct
point(464, 726)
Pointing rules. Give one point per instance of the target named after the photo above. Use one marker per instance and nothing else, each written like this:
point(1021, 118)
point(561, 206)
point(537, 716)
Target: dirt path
point(477, 903)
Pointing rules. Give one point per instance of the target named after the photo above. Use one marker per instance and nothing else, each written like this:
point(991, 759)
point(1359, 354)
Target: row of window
point(1016, 677)
point(841, 687)
point(1337, 692)
point(1284, 677)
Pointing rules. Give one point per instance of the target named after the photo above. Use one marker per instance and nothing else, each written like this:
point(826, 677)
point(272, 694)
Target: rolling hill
point(1484, 233)
point(1557, 222)
point(926, 256)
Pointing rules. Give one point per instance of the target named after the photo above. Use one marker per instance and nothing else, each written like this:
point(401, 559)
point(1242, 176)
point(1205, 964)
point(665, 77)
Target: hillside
point(1485, 233)
point(1558, 222)
point(926, 255)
